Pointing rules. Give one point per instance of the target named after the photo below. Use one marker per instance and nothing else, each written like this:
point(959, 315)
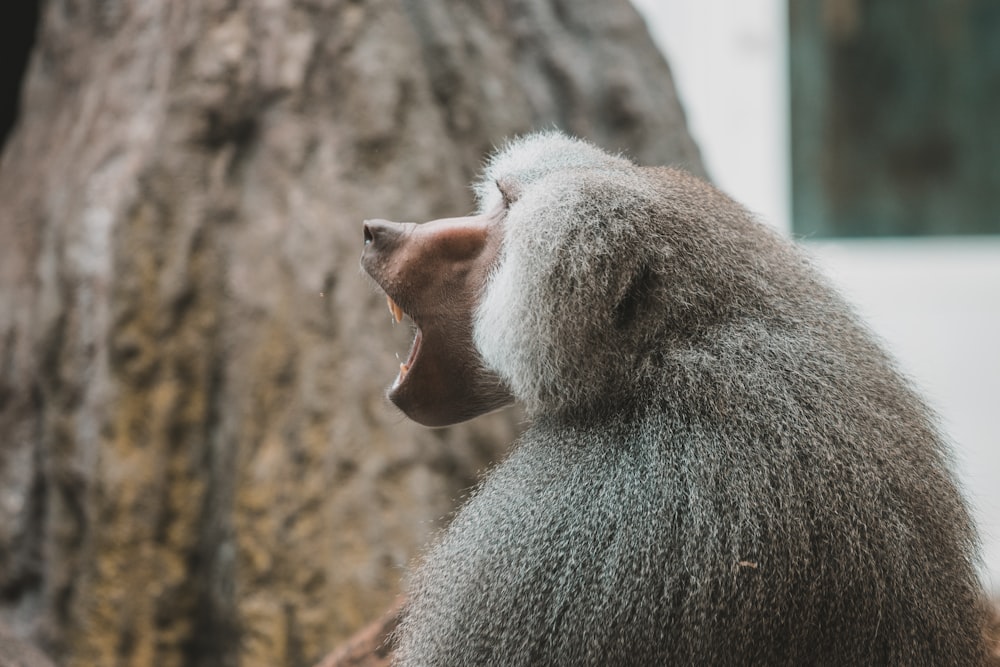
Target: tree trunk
point(196, 462)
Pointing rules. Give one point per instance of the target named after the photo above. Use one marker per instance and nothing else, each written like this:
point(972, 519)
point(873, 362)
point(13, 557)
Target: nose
point(382, 234)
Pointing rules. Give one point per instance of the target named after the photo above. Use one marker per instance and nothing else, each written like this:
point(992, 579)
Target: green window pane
point(895, 117)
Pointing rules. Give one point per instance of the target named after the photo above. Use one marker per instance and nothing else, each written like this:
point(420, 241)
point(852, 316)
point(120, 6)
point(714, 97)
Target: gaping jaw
point(411, 359)
point(434, 274)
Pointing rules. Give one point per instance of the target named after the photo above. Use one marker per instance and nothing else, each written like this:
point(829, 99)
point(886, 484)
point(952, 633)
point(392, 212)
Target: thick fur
point(722, 467)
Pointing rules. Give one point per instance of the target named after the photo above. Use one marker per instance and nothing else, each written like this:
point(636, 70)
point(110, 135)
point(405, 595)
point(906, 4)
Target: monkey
point(721, 464)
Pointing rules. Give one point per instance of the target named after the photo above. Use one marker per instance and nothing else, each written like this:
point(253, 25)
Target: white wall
point(935, 302)
point(728, 60)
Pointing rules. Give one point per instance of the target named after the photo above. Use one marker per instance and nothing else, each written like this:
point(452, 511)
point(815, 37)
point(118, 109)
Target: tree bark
point(197, 464)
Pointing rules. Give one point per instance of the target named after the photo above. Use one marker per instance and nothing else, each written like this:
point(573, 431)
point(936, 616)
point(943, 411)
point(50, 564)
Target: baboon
point(721, 466)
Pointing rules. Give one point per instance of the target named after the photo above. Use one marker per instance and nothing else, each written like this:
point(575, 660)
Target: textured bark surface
point(371, 646)
point(18, 652)
point(196, 462)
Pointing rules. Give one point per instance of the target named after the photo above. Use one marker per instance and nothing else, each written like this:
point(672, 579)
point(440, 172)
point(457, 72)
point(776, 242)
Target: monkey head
point(565, 279)
point(438, 274)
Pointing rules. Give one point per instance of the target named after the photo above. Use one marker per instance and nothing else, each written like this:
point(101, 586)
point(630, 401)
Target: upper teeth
point(397, 312)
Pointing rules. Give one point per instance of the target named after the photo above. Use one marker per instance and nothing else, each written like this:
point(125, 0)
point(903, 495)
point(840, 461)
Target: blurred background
point(197, 466)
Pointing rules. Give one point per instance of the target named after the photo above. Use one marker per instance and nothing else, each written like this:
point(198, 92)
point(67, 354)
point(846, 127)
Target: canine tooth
point(397, 312)
point(403, 370)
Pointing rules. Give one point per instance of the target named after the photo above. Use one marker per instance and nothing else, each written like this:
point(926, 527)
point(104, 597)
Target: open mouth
point(404, 366)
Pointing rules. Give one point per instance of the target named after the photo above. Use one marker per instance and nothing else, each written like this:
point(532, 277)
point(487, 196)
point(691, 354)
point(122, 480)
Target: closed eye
point(509, 190)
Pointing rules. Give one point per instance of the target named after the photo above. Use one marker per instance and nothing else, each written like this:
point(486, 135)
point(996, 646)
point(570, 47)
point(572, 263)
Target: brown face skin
point(436, 273)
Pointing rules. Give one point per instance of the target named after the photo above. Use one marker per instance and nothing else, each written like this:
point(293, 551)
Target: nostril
point(381, 235)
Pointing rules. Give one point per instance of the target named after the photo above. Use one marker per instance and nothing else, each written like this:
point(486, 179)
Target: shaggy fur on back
point(722, 466)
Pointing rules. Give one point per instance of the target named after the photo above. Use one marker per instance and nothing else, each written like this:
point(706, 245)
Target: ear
point(634, 295)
